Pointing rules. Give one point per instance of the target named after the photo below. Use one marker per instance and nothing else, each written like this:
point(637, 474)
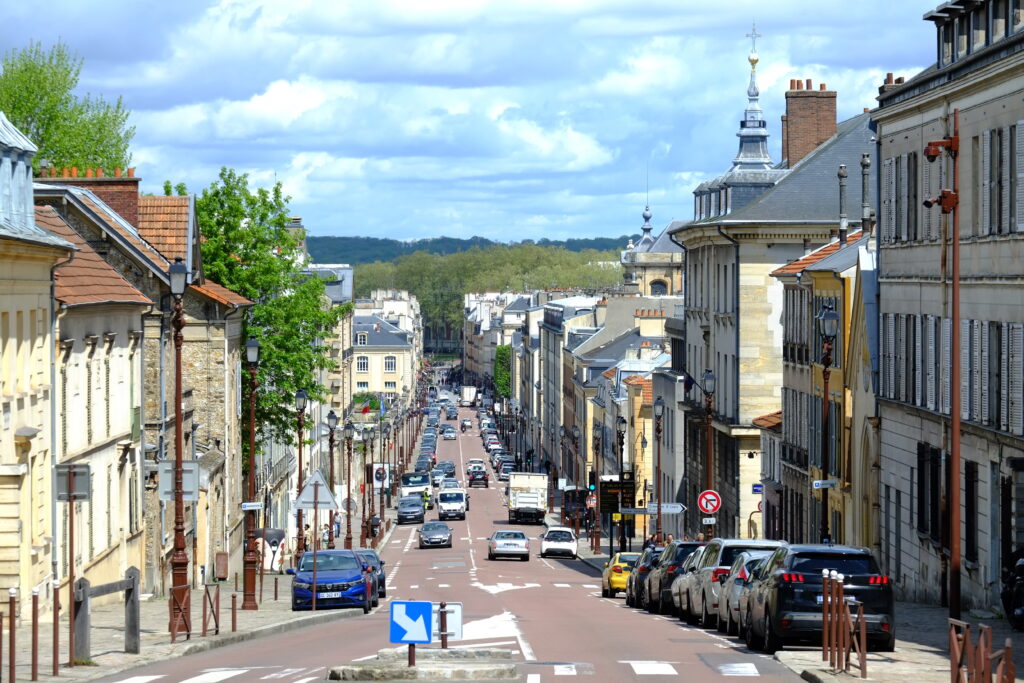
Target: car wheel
point(526, 558)
point(730, 625)
point(629, 599)
point(721, 624)
point(490, 555)
point(706, 620)
point(691, 618)
point(573, 556)
point(612, 592)
point(376, 601)
point(888, 645)
point(652, 606)
point(604, 592)
point(769, 641)
point(543, 554)
point(383, 592)
point(747, 630)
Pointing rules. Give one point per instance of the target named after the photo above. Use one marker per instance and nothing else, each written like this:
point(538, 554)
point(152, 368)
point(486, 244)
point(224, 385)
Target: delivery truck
point(527, 497)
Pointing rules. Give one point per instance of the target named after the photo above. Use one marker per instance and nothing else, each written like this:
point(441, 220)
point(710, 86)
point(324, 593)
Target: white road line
point(738, 669)
point(141, 679)
point(363, 659)
point(215, 676)
point(443, 585)
point(307, 680)
point(560, 585)
point(642, 668)
point(285, 673)
point(410, 588)
point(589, 585)
point(550, 566)
point(494, 644)
point(565, 669)
point(532, 678)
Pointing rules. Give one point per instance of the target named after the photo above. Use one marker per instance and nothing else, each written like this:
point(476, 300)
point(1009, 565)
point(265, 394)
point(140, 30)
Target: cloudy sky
point(508, 119)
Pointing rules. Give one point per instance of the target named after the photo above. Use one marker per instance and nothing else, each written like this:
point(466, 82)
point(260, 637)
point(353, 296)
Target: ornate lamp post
point(181, 612)
point(385, 437)
point(659, 412)
point(332, 424)
point(575, 432)
point(301, 397)
point(597, 433)
point(368, 434)
point(561, 458)
point(250, 560)
point(349, 433)
point(620, 432)
point(828, 327)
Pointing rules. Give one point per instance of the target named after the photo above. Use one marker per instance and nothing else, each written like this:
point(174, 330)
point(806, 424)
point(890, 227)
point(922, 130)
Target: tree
point(180, 189)
point(502, 371)
point(37, 95)
point(248, 248)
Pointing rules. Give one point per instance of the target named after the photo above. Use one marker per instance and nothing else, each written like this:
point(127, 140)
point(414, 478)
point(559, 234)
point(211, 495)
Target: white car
point(558, 540)
point(508, 544)
point(472, 464)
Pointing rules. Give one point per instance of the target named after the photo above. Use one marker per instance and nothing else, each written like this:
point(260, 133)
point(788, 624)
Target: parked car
point(508, 543)
point(558, 540)
point(638, 577)
point(682, 587)
point(785, 601)
point(660, 578)
point(410, 509)
point(370, 558)
point(715, 563)
point(734, 585)
point(616, 573)
point(339, 581)
point(477, 477)
point(504, 471)
point(433, 534)
point(450, 435)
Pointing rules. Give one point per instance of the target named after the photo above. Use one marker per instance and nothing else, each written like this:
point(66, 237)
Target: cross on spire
point(754, 35)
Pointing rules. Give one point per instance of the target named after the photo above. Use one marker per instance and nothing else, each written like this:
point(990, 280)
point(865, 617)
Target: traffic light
point(591, 480)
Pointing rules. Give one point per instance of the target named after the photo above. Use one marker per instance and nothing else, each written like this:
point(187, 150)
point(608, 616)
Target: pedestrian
point(305, 538)
point(700, 537)
point(648, 542)
point(337, 523)
point(686, 537)
point(669, 538)
point(325, 535)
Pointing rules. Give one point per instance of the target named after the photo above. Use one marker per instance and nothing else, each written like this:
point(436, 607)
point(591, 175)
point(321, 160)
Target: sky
point(507, 119)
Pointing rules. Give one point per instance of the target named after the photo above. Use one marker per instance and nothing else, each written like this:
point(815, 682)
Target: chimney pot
point(117, 172)
point(53, 171)
point(888, 78)
point(899, 80)
point(866, 110)
point(74, 171)
point(99, 172)
point(792, 84)
point(821, 86)
point(809, 85)
point(131, 172)
point(88, 173)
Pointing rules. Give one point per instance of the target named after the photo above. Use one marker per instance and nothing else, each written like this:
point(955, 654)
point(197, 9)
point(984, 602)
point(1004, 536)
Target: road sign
point(409, 621)
point(670, 508)
point(610, 494)
point(633, 511)
point(760, 506)
point(316, 494)
point(81, 491)
point(189, 479)
point(758, 488)
point(381, 475)
point(709, 521)
point(709, 501)
point(454, 620)
point(257, 505)
point(591, 501)
point(825, 483)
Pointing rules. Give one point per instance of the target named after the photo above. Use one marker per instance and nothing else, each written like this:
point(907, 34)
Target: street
point(549, 611)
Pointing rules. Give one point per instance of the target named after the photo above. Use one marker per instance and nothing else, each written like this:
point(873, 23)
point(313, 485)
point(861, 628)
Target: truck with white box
point(527, 497)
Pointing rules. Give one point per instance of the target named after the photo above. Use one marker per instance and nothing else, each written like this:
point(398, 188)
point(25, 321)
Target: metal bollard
point(842, 630)
point(833, 617)
point(825, 588)
point(35, 634)
point(56, 629)
point(13, 608)
point(275, 589)
point(442, 615)
point(234, 612)
point(236, 581)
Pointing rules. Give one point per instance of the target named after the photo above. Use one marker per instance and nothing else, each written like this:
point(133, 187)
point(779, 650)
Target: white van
point(452, 503)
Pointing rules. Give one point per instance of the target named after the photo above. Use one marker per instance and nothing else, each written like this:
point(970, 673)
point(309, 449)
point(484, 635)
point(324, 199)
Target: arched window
point(658, 288)
point(362, 363)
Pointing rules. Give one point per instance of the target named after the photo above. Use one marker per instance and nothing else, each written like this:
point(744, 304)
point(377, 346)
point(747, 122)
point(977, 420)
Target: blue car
point(339, 581)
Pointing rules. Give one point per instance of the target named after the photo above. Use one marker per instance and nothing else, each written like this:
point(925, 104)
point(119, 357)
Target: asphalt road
point(550, 611)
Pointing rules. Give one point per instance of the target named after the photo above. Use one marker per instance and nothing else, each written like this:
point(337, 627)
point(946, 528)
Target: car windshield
point(451, 497)
point(844, 563)
point(559, 536)
point(415, 480)
point(435, 528)
point(510, 535)
point(410, 502)
point(629, 559)
point(729, 553)
point(329, 563)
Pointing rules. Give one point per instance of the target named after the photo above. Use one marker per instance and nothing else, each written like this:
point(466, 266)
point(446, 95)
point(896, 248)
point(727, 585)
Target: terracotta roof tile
point(772, 421)
point(633, 380)
point(797, 266)
point(648, 392)
point(609, 373)
point(221, 294)
point(163, 222)
point(87, 278)
point(107, 215)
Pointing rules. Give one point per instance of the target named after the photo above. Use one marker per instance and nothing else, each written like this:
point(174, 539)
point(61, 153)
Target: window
point(390, 385)
point(971, 511)
point(929, 518)
point(361, 339)
point(362, 386)
point(389, 363)
point(658, 288)
point(362, 363)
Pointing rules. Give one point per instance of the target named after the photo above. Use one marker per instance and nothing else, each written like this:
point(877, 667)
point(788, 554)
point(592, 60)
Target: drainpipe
point(736, 303)
point(865, 205)
point(55, 316)
point(843, 223)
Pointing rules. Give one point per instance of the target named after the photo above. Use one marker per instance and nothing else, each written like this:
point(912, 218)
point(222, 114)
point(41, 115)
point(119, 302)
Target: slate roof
point(772, 421)
point(379, 332)
point(520, 304)
point(810, 191)
point(665, 245)
point(821, 253)
point(164, 223)
point(31, 233)
point(86, 278)
point(11, 137)
point(616, 348)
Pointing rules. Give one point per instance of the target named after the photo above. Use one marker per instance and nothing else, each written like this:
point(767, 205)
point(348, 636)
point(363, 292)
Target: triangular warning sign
point(316, 490)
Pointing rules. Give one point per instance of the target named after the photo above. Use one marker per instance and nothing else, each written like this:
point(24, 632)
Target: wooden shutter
point(889, 203)
point(918, 361)
point(965, 369)
point(926, 189)
point(929, 361)
point(986, 182)
point(1004, 182)
point(983, 359)
point(904, 209)
point(902, 378)
point(1019, 189)
point(947, 363)
point(890, 353)
point(1016, 379)
point(1004, 377)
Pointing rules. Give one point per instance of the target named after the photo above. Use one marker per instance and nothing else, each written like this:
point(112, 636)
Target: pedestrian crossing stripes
point(301, 675)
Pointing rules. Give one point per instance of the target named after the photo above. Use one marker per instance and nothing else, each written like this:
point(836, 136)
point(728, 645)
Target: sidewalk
point(922, 639)
point(107, 632)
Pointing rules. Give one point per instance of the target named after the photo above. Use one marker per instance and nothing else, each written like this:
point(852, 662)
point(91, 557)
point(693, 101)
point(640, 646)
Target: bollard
point(842, 625)
point(13, 609)
point(825, 588)
point(833, 607)
point(56, 628)
point(412, 654)
point(442, 615)
point(275, 589)
point(35, 634)
point(236, 581)
point(234, 612)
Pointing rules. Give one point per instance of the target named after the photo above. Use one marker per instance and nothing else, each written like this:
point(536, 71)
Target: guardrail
point(842, 633)
point(976, 663)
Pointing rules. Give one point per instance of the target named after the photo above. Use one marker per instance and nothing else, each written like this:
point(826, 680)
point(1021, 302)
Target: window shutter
point(888, 205)
point(982, 356)
point(901, 357)
point(1019, 190)
point(883, 352)
point(986, 182)
point(1016, 379)
point(965, 369)
point(1004, 377)
point(929, 361)
point(904, 215)
point(890, 351)
point(1004, 183)
point(918, 361)
point(926, 188)
point(947, 362)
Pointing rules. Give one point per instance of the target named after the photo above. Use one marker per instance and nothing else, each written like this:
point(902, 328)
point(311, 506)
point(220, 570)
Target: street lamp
point(709, 456)
point(367, 483)
point(250, 560)
point(178, 276)
point(385, 434)
point(659, 412)
point(301, 397)
point(620, 432)
point(349, 433)
point(828, 327)
point(332, 424)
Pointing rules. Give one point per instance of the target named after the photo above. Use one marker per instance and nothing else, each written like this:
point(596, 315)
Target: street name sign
point(709, 520)
point(709, 501)
point(189, 479)
point(666, 508)
point(825, 483)
point(410, 621)
point(633, 511)
point(316, 494)
point(453, 623)
point(758, 488)
point(256, 505)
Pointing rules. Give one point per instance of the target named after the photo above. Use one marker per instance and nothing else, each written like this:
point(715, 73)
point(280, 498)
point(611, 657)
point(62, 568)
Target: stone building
point(653, 265)
point(383, 358)
point(976, 78)
point(28, 254)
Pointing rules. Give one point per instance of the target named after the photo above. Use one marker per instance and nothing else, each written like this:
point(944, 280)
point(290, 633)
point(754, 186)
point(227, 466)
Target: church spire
point(753, 133)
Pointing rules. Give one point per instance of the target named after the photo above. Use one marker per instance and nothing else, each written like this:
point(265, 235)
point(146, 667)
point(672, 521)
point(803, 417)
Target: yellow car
point(616, 573)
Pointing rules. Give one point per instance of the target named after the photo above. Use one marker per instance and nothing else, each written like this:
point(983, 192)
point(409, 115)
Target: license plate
point(328, 596)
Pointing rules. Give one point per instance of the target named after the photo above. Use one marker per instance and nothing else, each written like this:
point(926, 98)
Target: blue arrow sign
point(410, 621)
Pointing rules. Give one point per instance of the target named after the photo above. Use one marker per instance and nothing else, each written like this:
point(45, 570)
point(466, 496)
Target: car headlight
point(300, 584)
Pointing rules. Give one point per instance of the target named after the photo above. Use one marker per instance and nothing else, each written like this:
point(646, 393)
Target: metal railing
point(975, 663)
point(842, 633)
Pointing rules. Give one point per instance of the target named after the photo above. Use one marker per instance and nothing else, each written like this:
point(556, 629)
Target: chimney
point(843, 222)
point(810, 119)
point(120, 193)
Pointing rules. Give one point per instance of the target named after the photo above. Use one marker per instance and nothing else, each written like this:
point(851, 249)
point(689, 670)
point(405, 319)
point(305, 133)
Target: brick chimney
point(120, 191)
point(810, 119)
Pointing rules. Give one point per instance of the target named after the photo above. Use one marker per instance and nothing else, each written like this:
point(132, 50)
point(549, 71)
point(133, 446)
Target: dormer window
point(999, 13)
point(979, 29)
point(361, 339)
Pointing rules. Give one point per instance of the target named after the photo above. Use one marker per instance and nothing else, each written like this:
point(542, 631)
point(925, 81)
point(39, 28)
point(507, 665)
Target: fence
point(842, 633)
point(976, 663)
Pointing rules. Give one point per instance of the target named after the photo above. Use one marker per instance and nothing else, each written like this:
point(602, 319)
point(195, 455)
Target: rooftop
point(164, 223)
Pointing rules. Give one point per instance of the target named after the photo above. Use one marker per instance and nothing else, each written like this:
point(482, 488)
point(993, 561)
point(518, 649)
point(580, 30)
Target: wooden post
point(412, 654)
point(35, 634)
point(132, 620)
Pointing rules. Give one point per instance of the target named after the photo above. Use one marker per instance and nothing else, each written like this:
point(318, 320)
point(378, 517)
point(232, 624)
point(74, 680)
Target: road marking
point(565, 669)
point(502, 587)
point(650, 668)
point(532, 678)
point(215, 676)
point(285, 673)
point(738, 669)
point(307, 680)
point(561, 585)
point(494, 644)
point(410, 588)
point(141, 679)
point(590, 585)
point(443, 585)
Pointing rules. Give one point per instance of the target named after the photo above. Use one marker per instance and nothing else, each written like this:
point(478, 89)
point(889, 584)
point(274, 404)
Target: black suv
point(477, 477)
point(636, 584)
point(660, 579)
point(785, 598)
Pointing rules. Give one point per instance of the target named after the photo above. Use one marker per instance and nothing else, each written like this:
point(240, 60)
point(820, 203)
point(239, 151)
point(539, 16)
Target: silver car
point(508, 543)
point(730, 608)
point(715, 562)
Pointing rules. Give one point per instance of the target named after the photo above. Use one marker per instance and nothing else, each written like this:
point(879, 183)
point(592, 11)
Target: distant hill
point(354, 250)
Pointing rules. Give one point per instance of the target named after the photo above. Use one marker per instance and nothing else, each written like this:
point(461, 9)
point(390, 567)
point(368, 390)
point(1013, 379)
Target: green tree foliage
point(37, 95)
point(363, 398)
point(248, 248)
point(502, 371)
point(180, 189)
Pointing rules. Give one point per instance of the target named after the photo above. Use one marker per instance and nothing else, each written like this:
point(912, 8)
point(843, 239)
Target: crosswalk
point(285, 675)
